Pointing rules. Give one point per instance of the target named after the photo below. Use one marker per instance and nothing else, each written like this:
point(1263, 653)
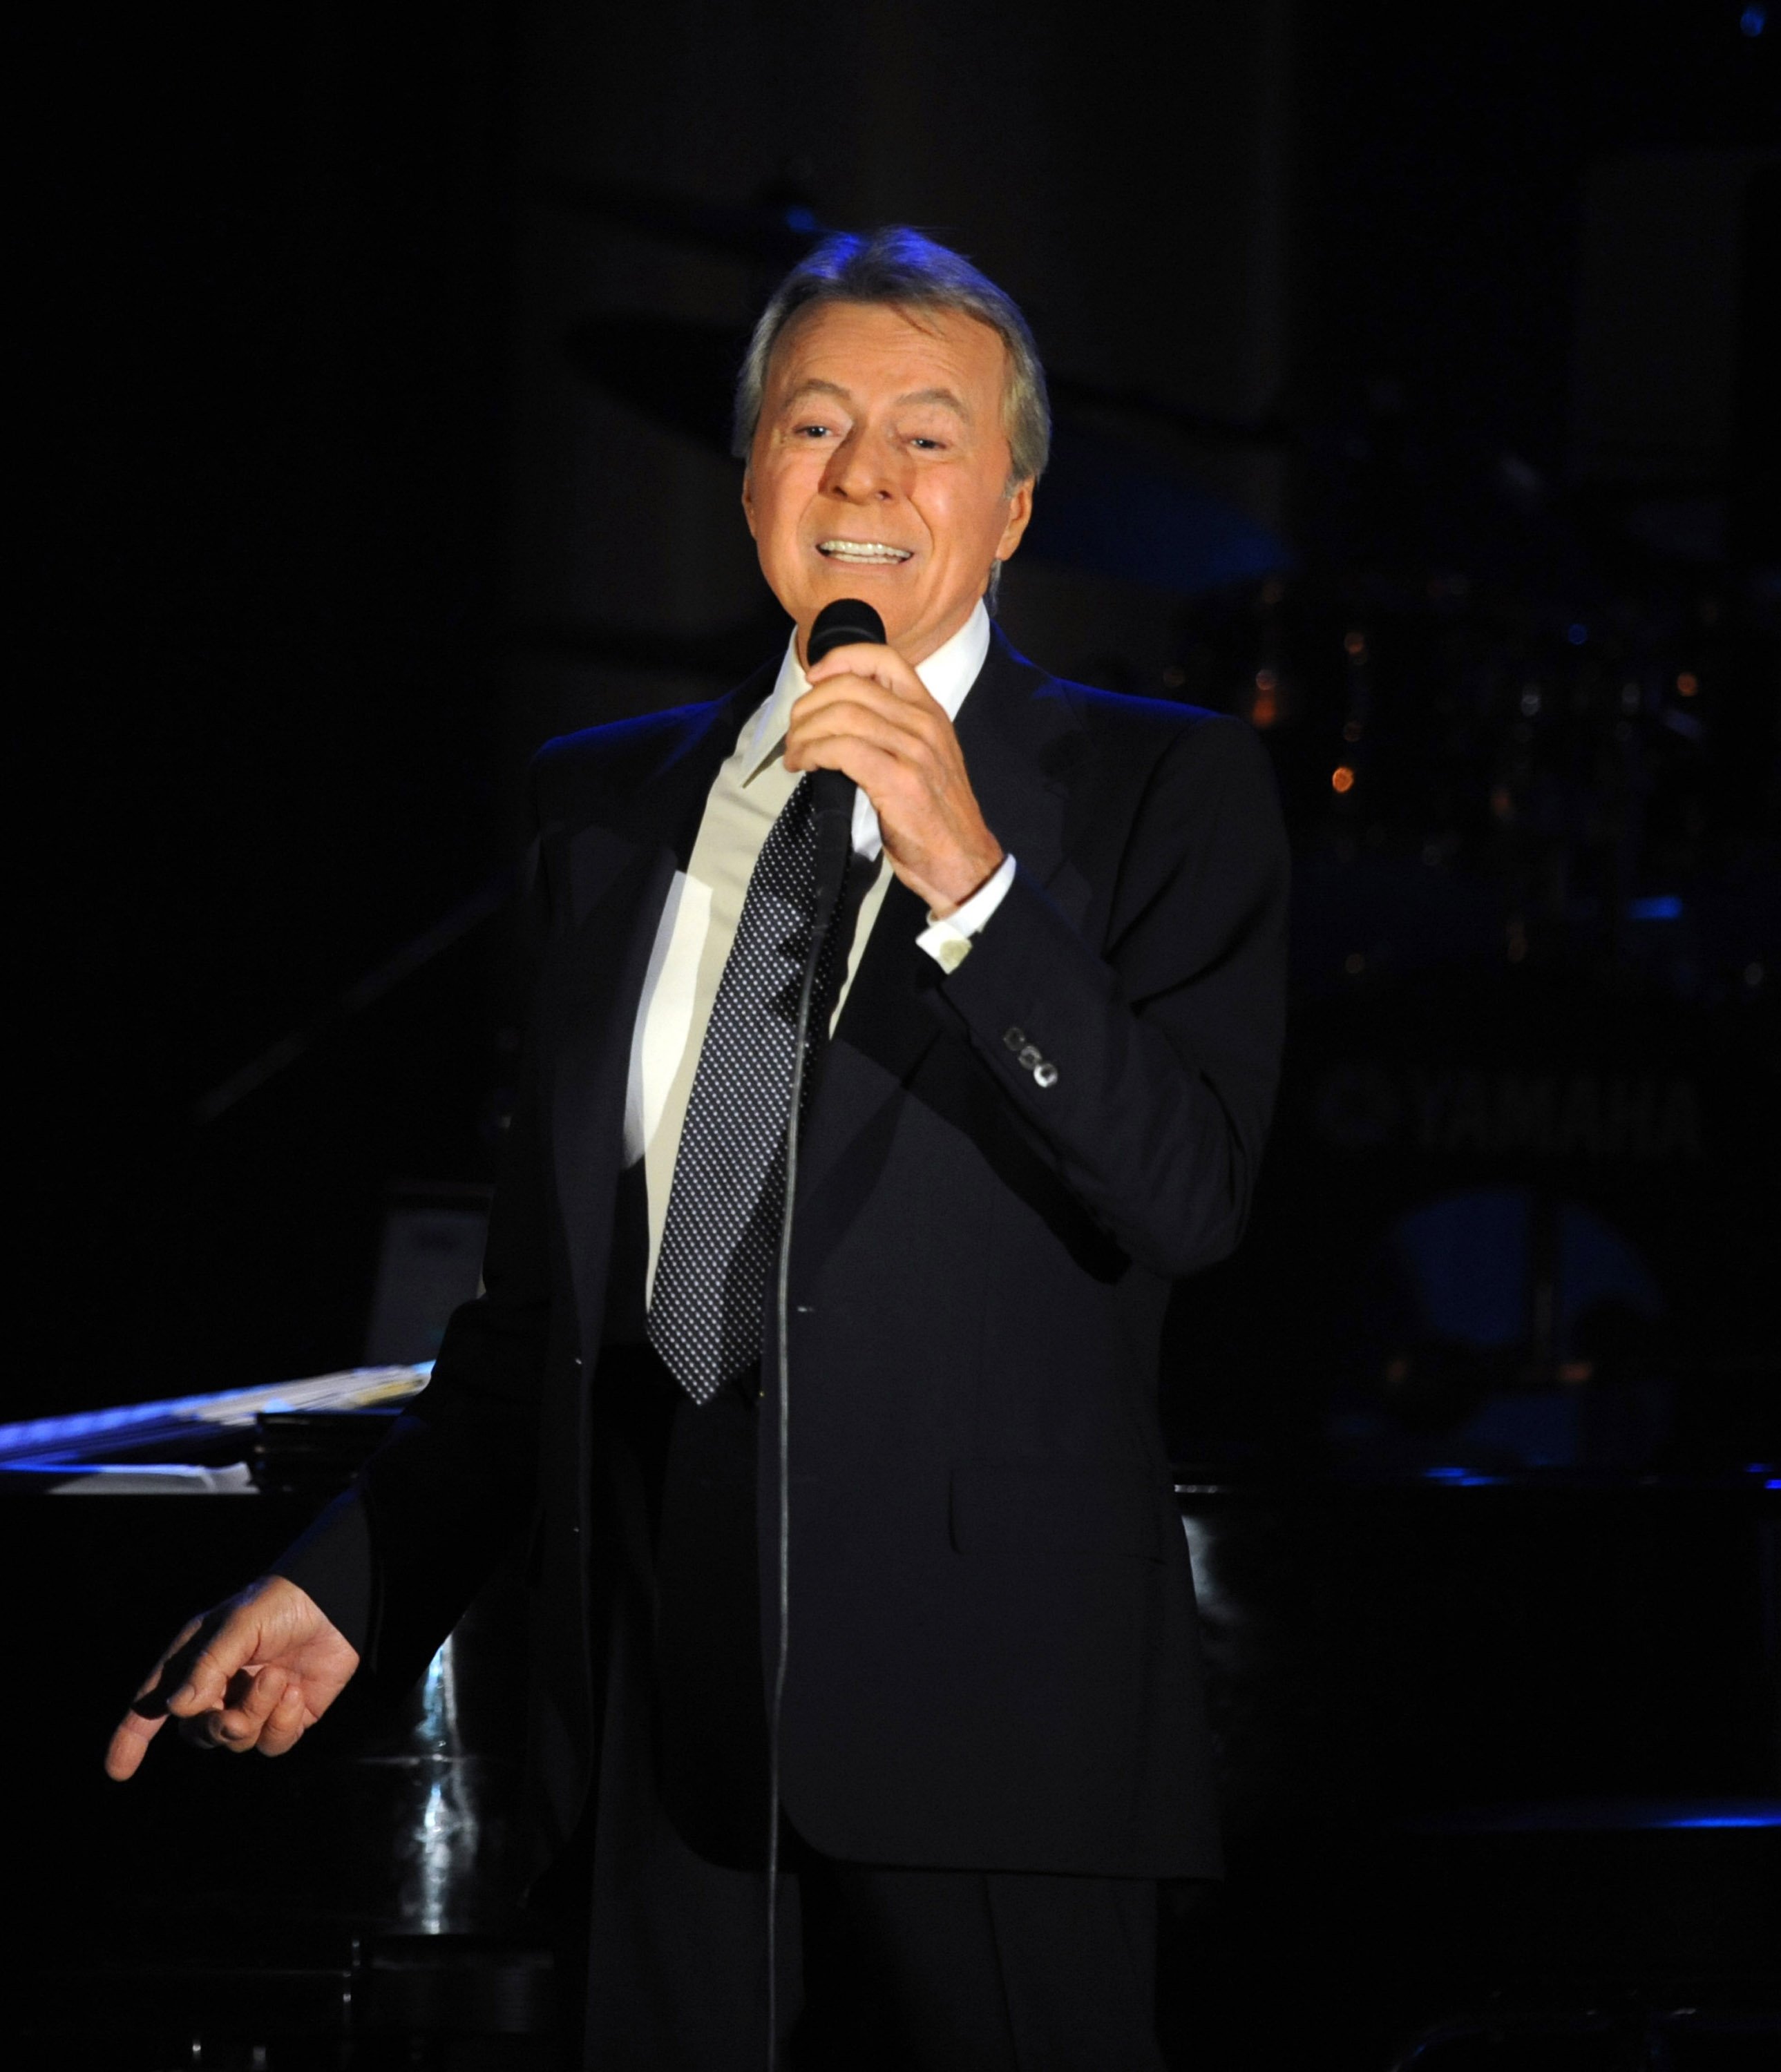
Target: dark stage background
point(1416, 378)
point(375, 364)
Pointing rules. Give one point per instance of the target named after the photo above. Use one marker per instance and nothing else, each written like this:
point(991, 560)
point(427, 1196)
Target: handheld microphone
point(837, 625)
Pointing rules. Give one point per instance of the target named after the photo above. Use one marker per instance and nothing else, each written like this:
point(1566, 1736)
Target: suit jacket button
point(1014, 1037)
point(1031, 1057)
point(1045, 1073)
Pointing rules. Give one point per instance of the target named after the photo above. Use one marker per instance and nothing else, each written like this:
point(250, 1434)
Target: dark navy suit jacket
point(995, 1660)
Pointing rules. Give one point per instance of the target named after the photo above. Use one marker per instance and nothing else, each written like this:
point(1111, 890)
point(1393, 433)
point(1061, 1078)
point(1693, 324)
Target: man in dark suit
point(1052, 1002)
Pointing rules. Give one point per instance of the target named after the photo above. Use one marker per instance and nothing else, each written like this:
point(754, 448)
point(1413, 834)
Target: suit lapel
point(632, 826)
point(1016, 730)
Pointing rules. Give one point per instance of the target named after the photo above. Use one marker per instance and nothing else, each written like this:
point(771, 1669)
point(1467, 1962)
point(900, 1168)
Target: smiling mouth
point(863, 554)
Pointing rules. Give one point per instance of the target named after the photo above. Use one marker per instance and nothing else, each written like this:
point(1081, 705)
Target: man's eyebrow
point(815, 385)
point(943, 396)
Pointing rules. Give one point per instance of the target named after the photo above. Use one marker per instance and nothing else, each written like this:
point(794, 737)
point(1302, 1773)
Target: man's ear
point(1020, 512)
point(748, 501)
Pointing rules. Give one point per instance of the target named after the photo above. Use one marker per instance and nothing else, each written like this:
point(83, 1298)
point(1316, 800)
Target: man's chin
point(901, 612)
point(887, 584)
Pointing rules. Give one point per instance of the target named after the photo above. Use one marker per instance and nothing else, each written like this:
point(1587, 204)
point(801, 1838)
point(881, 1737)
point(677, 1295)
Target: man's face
point(880, 468)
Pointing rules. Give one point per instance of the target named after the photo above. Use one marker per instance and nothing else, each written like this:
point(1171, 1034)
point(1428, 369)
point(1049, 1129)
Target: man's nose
point(859, 470)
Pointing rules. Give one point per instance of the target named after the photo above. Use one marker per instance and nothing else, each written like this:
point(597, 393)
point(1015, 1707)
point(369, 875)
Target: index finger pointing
point(147, 1710)
point(130, 1744)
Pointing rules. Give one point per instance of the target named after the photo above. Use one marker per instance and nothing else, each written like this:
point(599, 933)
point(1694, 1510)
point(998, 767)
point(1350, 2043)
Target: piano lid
point(87, 1435)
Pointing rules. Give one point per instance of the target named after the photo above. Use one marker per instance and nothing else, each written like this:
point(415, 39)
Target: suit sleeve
point(1149, 1071)
point(394, 1561)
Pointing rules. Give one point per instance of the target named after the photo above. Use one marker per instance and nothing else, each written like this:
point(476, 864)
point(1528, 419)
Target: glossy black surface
point(1383, 1653)
point(1475, 1737)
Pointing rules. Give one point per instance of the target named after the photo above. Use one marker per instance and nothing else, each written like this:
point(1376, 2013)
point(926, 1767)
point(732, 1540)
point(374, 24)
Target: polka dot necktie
point(720, 1240)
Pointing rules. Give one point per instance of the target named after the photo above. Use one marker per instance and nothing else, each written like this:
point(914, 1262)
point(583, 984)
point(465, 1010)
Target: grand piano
point(1501, 1769)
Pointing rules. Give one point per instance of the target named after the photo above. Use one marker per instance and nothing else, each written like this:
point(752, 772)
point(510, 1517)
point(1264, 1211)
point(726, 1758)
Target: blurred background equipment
point(431, 1261)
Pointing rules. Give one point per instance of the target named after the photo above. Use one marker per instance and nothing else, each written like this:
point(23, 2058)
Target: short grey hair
point(900, 269)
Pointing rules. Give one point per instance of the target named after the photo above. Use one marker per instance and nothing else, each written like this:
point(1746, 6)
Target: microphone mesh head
point(847, 619)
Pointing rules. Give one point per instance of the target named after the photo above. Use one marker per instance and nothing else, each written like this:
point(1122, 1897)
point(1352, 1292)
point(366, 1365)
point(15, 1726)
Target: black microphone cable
point(837, 625)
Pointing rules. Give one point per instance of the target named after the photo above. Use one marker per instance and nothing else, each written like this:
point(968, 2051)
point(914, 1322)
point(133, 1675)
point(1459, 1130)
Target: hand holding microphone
point(848, 622)
point(868, 719)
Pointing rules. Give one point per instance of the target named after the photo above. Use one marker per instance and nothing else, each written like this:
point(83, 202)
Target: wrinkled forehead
point(932, 350)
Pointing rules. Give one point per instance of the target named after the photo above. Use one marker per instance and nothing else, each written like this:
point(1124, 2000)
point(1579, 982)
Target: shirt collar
point(949, 673)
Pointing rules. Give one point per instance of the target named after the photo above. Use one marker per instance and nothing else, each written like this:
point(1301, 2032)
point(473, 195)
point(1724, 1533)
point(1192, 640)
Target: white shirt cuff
point(948, 941)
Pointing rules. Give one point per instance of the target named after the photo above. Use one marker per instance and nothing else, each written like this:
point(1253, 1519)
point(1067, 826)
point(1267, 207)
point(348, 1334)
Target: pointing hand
point(257, 1672)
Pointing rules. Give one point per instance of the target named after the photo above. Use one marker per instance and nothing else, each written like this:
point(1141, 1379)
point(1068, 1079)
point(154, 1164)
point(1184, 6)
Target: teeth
point(861, 550)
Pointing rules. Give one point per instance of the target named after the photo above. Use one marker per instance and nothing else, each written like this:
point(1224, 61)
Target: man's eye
point(927, 445)
point(811, 432)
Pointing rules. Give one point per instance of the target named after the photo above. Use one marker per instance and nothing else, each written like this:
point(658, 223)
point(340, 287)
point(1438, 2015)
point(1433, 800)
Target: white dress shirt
point(698, 922)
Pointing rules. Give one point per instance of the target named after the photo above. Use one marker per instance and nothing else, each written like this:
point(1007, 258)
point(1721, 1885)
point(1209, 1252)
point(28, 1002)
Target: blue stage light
point(1598, 1816)
point(1576, 633)
point(1659, 907)
point(1753, 20)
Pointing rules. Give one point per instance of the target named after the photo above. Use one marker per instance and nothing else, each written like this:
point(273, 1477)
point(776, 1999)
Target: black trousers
point(879, 1966)
point(881, 1970)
